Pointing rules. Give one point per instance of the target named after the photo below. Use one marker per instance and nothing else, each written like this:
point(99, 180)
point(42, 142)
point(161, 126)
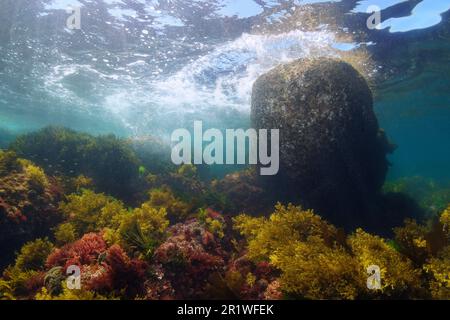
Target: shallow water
point(138, 68)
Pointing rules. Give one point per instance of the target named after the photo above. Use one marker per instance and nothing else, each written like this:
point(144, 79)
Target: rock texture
point(332, 152)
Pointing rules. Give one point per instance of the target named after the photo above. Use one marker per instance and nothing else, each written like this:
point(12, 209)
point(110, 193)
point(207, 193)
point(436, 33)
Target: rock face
point(332, 152)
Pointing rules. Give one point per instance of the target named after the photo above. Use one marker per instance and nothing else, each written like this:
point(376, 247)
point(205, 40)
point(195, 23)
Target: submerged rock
point(332, 152)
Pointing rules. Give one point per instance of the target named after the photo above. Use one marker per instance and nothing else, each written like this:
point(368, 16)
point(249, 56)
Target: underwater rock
point(332, 152)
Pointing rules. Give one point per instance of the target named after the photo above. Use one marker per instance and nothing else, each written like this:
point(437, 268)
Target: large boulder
point(332, 152)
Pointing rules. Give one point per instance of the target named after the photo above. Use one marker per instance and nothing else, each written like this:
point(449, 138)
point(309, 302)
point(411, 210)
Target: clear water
point(146, 67)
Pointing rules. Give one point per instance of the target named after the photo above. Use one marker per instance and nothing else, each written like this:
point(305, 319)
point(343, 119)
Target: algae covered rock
point(109, 160)
point(332, 152)
point(28, 204)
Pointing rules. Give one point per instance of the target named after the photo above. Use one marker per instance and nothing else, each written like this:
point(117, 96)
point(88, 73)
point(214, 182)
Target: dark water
point(139, 68)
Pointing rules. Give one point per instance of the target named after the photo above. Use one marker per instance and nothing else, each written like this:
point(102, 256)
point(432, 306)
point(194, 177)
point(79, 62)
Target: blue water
point(147, 67)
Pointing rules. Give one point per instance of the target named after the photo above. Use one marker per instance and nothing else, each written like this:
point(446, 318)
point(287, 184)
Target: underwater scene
point(225, 150)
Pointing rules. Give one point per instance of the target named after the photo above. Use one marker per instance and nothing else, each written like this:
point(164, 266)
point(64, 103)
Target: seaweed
point(110, 161)
point(181, 238)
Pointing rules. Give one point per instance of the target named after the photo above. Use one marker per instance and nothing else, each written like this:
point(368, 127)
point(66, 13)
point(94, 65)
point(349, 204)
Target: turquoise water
point(138, 68)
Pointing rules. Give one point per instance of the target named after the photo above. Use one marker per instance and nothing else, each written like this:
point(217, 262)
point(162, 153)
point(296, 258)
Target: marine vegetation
point(28, 204)
point(109, 160)
point(293, 253)
point(187, 237)
point(318, 261)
